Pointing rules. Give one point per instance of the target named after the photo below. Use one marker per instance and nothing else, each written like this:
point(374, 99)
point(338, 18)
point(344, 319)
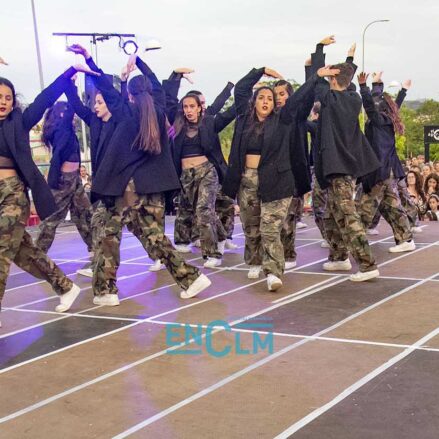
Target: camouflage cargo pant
point(144, 220)
point(408, 204)
point(319, 197)
point(343, 226)
point(262, 224)
point(225, 209)
point(70, 196)
point(376, 219)
point(299, 208)
point(385, 199)
point(288, 232)
point(199, 189)
point(16, 244)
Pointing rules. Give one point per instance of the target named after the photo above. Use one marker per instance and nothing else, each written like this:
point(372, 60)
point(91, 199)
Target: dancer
point(259, 171)
point(135, 171)
point(64, 179)
point(380, 187)
point(344, 154)
point(18, 172)
point(200, 163)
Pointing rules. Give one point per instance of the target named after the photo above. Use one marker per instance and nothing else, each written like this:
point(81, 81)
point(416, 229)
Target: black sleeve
point(171, 87)
point(35, 111)
point(369, 105)
point(157, 90)
point(79, 108)
point(298, 98)
point(317, 60)
point(116, 104)
point(220, 100)
point(401, 96)
point(244, 89)
point(124, 90)
point(225, 118)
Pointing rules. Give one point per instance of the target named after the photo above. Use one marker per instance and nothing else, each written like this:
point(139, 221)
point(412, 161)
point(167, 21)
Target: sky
point(223, 40)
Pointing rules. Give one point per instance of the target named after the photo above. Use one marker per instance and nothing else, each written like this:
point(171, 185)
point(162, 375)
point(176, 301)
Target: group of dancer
point(146, 144)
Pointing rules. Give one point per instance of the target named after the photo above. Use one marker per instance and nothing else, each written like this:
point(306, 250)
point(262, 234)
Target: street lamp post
point(37, 43)
point(364, 33)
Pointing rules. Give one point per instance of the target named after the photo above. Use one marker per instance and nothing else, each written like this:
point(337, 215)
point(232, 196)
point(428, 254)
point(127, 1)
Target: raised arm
point(220, 100)
point(225, 118)
point(35, 111)
point(403, 92)
point(158, 93)
point(244, 89)
point(368, 103)
point(79, 108)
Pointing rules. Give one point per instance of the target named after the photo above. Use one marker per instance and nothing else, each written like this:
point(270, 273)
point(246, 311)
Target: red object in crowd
point(33, 220)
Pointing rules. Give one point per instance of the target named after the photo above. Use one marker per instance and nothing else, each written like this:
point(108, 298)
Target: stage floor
point(321, 358)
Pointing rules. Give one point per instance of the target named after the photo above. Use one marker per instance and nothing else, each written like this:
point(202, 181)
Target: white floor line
point(354, 387)
point(209, 389)
point(246, 370)
point(36, 311)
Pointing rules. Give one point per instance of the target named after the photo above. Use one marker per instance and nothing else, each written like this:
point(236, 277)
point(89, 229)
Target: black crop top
point(6, 158)
point(253, 139)
point(191, 146)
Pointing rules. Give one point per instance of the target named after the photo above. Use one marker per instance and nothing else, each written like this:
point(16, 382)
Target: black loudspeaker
point(91, 90)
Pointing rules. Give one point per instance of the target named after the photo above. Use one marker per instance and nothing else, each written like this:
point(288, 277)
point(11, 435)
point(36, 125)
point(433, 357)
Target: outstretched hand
point(376, 76)
point(2, 61)
point(126, 71)
point(362, 78)
point(407, 84)
point(328, 40)
point(351, 51)
point(327, 71)
point(85, 69)
point(272, 73)
point(79, 50)
point(183, 70)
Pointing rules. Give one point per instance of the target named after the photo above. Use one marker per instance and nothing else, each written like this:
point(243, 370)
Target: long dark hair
point(391, 110)
point(180, 119)
point(4, 81)
point(148, 137)
point(418, 184)
point(53, 118)
point(431, 176)
point(254, 124)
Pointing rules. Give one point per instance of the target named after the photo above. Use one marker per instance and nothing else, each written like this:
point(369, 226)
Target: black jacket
point(342, 147)
point(208, 130)
point(276, 179)
point(381, 135)
point(16, 129)
point(64, 143)
point(121, 160)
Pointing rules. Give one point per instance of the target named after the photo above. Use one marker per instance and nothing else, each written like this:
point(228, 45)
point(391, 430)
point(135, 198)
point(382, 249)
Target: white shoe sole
point(201, 283)
point(364, 276)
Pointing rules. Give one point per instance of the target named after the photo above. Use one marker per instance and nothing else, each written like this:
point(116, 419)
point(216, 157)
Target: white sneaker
point(407, 246)
point(416, 229)
point(67, 299)
point(254, 272)
point(106, 300)
point(290, 264)
point(273, 282)
point(230, 245)
point(87, 272)
point(372, 232)
point(221, 246)
point(157, 266)
point(183, 248)
point(212, 262)
point(325, 244)
point(337, 265)
point(362, 276)
point(197, 243)
point(201, 283)
point(301, 225)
